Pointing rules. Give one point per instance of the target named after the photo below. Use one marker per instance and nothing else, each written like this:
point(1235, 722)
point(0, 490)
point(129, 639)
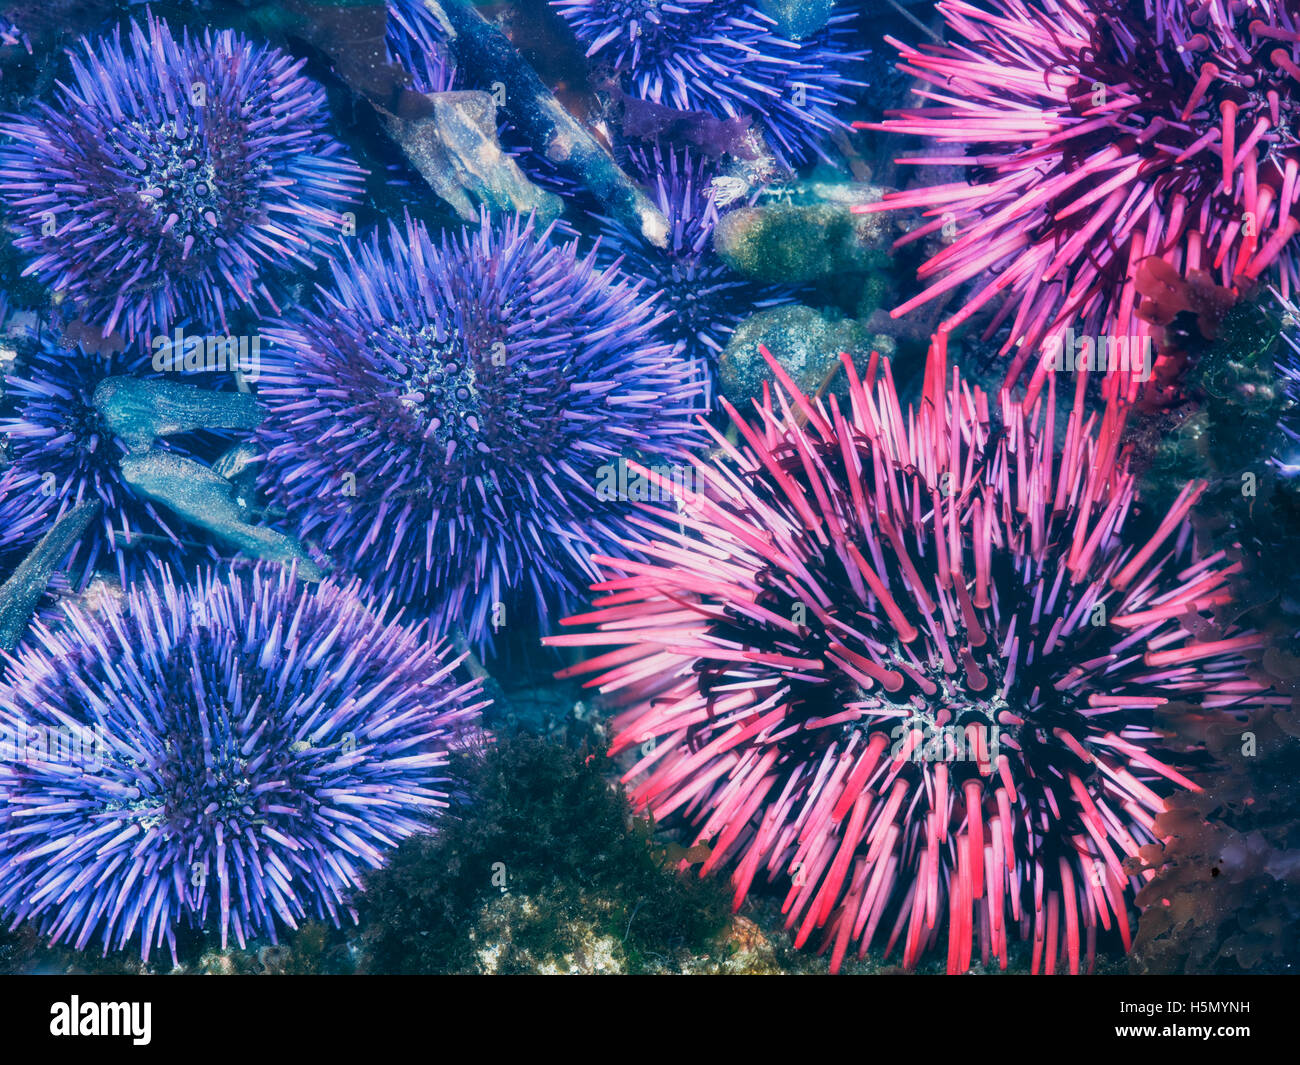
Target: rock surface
point(455, 149)
point(798, 19)
point(543, 120)
point(25, 586)
point(804, 341)
point(207, 499)
point(140, 411)
point(797, 243)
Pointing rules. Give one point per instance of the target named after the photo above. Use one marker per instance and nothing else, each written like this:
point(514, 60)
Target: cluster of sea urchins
point(230, 755)
point(912, 665)
point(441, 421)
point(170, 176)
point(725, 58)
point(1104, 132)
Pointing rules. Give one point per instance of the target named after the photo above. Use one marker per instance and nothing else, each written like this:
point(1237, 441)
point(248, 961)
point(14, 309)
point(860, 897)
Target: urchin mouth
point(444, 400)
point(206, 774)
point(953, 726)
point(179, 184)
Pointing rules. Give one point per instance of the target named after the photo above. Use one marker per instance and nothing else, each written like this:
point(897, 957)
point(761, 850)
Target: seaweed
point(546, 870)
point(1225, 897)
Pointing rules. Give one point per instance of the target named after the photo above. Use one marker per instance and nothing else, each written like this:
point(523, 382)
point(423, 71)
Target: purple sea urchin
point(911, 664)
point(168, 178)
point(415, 42)
point(64, 453)
point(438, 423)
point(1105, 133)
point(231, 754)
point(725, 58)
point(705, 298)
point(24, 516)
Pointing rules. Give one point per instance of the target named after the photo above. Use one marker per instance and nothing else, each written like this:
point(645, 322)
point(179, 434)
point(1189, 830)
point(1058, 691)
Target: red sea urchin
point(1105, 132)
point(912, 664)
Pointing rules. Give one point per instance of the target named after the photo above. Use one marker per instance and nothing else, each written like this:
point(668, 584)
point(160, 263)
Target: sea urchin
point(230, 754)
point(705, 299)
point(167, 178)
point(911, 663)
point(1104, 132)
point(725, 58)
point(440, 421)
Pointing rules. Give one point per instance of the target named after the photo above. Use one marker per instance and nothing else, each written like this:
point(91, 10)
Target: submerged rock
point(805, 342)
point(206, 499)
point(539, 116)
point(796, 243)
point(455, 149)
point(798, 19)
point(140, 411)
point(24, 588)
point(238, 465)
point(546, 871)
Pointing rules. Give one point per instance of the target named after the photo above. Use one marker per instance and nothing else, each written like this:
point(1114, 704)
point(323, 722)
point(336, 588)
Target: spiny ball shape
point(64, 453)
point(910, 665)
point(705, 298)
point(437, 423)
point(168, 177)
point(728, 59)
point(234, 755)
point(1103, 133)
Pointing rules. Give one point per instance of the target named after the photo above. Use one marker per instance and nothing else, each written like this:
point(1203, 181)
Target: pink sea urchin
point(1105, 132)
point(912, 666)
